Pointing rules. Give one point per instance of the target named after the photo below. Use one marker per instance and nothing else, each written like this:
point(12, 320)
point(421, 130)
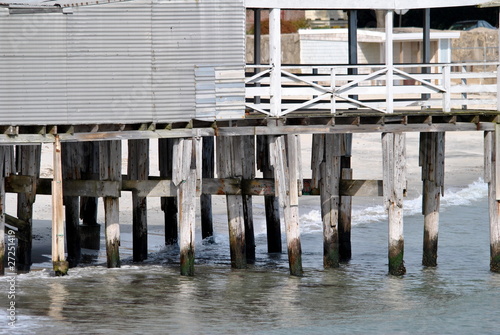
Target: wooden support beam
point(227, 148)
point(138, 169)
point(90, 229)
point(168, 205)
point(184, 176)
point(432, 146)
point(273, 224)
point(59, 262)
point(492, 168)
point(393, 151)
point(208, 161)
point(28, 163)
point(110, 169)
point(288, 197)
point(330, 199)
point(71, 155)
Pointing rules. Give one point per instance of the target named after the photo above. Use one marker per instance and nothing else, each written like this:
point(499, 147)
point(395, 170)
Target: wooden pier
point(216, 124)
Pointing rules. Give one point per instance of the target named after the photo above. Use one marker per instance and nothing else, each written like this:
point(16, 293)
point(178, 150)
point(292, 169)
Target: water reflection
point(58, 298)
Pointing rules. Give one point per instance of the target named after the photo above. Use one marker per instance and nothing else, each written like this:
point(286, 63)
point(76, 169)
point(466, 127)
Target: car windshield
point(467, 25)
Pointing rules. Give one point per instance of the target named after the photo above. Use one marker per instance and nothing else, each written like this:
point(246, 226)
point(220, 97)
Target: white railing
point(328, 88)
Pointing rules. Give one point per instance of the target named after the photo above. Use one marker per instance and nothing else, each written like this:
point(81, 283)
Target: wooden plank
point(20, 225)
point(59, 263)
point(90, 229)
point(496, 161)
point(282, 181)
point(138, 169)
point(246, 150)
point(184, 173)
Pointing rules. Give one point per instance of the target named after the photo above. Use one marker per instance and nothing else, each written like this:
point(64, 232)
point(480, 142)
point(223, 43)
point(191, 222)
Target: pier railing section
point(330, 88)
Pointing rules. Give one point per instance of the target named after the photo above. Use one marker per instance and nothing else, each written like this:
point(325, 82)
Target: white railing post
point(446, 87)
point(275, 60)
point(389, 61)
point(332, 85)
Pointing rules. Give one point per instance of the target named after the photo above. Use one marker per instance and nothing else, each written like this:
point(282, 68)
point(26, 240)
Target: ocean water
point(459, 296)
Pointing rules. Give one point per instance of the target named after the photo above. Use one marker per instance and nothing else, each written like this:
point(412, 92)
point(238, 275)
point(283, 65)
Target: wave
point(478, 190)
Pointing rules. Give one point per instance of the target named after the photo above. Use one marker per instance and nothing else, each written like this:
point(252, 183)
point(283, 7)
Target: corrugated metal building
point(121, 62)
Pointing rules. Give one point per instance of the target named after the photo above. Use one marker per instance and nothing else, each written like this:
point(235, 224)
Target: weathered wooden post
point(2, 210)
point(432, 162)
point(90, 230)
point(28, 164)
point(287, 190)
point(246, 153)
point(273, 224)
point(71, 156)
point(110, 169)
point(138, 169)
point(492, 177)
point(185, 176)
point(345, 206)
point(330, 172)
point(168, 204)
point(59, 262)
point(393, 151)
point(228, 167)
point(207, 226)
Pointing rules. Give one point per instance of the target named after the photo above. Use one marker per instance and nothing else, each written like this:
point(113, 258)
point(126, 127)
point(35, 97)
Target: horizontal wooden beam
point(156, 187)
point(21, 226)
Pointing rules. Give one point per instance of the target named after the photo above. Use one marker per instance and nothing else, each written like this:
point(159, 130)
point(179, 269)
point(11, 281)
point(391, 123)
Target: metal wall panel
point(121, 62)
point(109, 63)
point(32, 69)
point(203, 33)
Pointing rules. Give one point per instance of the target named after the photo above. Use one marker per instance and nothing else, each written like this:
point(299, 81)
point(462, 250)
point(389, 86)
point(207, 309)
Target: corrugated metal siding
point(109, 63)
point(120, 62)
point(32, 69)
point(187, 33)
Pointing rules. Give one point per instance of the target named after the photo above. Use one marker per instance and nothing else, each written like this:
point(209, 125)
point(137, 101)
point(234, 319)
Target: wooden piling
point(168, 204)
point(59, 262)
point(330, 199)
point(207, 226)
point(71, 156)
point(393, 151)
point(287, 191)
point(246, 152)
point(345, 206)
point(90, 237)
point(2, 210)
point(271, 203)
point(28, 164)
point(228, 166)
point(138, 169)
point(432, 146)
point(184, 176)
point(110, 169)
point(492, 177)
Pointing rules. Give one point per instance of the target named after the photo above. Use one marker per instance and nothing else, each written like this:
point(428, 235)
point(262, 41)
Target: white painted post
point(389, 61)
point(332, 86)
point(275, 60)
point(446, 86)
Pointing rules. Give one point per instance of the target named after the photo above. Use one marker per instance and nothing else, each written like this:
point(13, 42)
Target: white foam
point(478, 190)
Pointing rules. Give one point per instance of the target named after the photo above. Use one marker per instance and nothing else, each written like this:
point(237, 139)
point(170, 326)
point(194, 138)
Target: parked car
point(471, 24)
